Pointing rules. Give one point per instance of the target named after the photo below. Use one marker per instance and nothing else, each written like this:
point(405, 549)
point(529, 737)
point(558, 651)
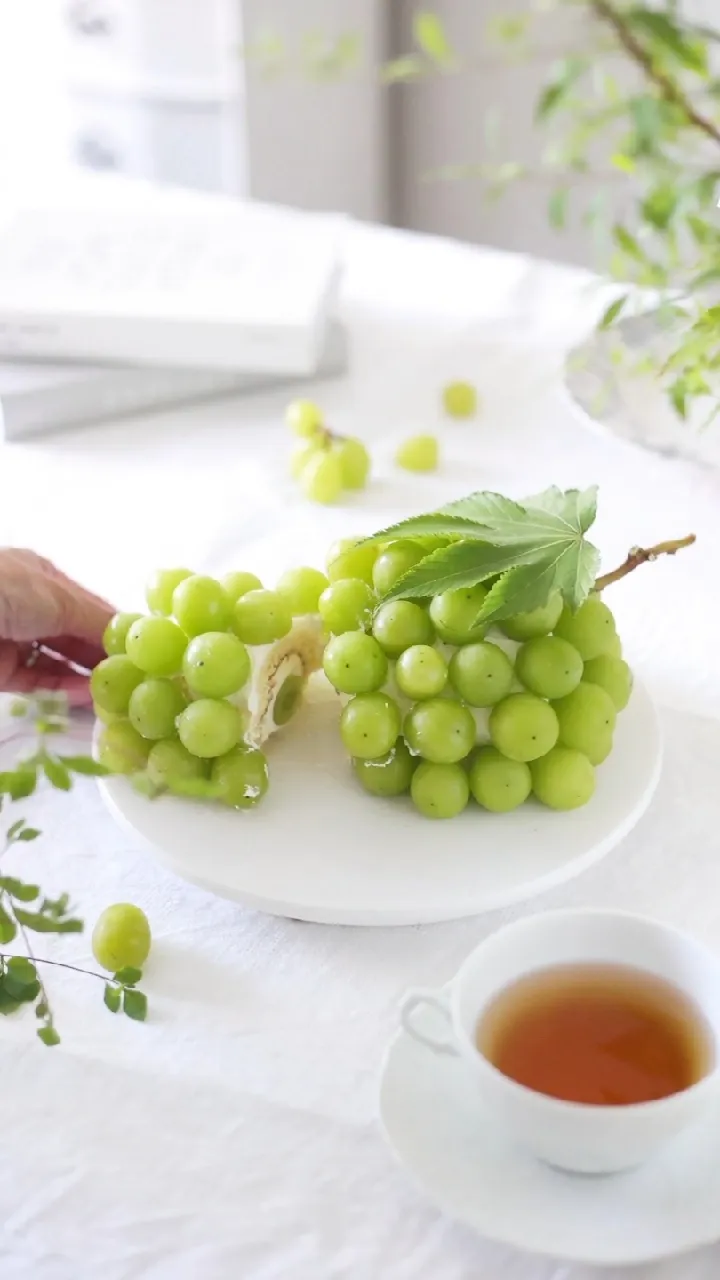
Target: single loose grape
point(321, 479)
point(121, 938)
point(303, 451)
point(112, 682)
point(399, 624)
point(161, 588)
point(121, 749)
point(418, 453)
point(156, 646)
point(389, 775)
point(421, 672)
point(393, 561)
point(116, 631)
point(216, 665)
point(481, 673)
point(354, 462)
point(301, 589)
point(346, 605)
point(304, 418)
point(441, 730)
point(523, 727)
point(440, 790)
point(260, 617)
point(154, 708)
point(370, 725)
point(454, 614)
point(538, 622)
point(237, 584)
point(200, 604)
point(587, 719)
point(459, 400)
point(208, 728)
point(563, 779)
point(352, 558)
point(613, 675)
point(591, 629)
point(355, 663)
point(241, 777)
point(499, 784)
point(549, 666)
point(169, 764)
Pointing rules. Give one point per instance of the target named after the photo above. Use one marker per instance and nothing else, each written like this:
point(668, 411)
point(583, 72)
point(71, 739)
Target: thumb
point(83, 614)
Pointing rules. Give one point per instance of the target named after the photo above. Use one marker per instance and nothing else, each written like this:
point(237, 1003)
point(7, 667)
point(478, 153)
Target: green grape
point(169, 764)
point(393, 561)
point(154, 708)
point(201, 604)
point(112, 682)
point(441, 730)
point(107, 717)
point(418, 453)
point(614, 649)
point(161, 588)
point(355, 663)
point(321, 478)
point(454, 613)
point(399, 624)
point(354, 462)
point(389, 775)
point(301, 589)
point(208, 728)
point(116, 631)
point(613, 675)
point(352, 558)
point(156, 646)
point(421, 672)
point(499, 784)
point(370, 725)
point(238, 584)
point(121, 938)
point(216, 665)
point(346, 605)
point(241, 777)
point(303, 451)
point(563, 779)
point(549, 666)
point(440, 790)
point(460, 400)
point(481, 673)
point(261, 617)
point(587, 718)
point(538, 622)
point(121, 749)
point(288, 699)
point(591, 629)
point(523, 727)
point(304, 418)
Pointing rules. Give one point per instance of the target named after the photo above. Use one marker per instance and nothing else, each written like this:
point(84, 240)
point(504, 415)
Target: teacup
point(572, 1136)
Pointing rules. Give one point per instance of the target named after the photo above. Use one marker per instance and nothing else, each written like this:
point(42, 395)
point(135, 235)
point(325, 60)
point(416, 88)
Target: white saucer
point(318, 848)
point(469, 1169)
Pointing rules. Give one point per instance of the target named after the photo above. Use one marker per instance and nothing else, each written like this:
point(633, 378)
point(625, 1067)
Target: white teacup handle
point(433, 1000)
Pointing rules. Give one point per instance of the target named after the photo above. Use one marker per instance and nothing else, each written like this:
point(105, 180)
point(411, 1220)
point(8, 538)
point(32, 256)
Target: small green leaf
point(463, 564)
point(613, 311)
point(557, 208)
point(19, 889)
point(48, 1035)
point(446, 525)
point(484, 507)
point(671, 38)
point(85, 765)
point(7, 926)
point(678, 393)
point(47, 924)
point(112, 998)
point(627, 242)
point(576, 506)
point(135, 1005)
point(29, 833)
point(128, 977)
point(41, 1009)
point(15, 829)
point(22, 970)
point(430, 36)
point(575, 572)
point(8, 1004)
point(400, 69)
point(564, 76)
point(517, 591)
point(21, 782)
point(56, 773)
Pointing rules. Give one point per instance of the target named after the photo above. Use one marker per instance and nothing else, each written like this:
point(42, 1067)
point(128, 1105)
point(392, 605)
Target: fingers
point(83, 653)
point(83, 615)
point(47, 674)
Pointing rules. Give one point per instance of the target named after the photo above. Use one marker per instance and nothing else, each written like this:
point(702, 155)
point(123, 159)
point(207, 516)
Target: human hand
point(50, 628)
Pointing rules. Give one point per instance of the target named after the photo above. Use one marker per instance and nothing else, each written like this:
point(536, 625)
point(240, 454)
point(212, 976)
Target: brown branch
point(669, 88)
point(643, 555)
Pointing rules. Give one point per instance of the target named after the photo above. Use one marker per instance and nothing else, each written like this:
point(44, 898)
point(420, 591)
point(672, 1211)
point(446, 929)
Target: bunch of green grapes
point(189, 693)
point(324, 463)
point(445, 709)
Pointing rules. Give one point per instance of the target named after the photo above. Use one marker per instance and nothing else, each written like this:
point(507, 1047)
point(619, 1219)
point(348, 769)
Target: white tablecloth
point(234, 1136)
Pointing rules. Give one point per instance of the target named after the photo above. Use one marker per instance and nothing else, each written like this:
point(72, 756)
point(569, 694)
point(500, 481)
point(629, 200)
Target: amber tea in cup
point(598, 1034)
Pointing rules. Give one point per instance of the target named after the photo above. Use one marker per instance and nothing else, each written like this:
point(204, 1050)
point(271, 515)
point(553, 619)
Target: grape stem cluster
point(643, 555)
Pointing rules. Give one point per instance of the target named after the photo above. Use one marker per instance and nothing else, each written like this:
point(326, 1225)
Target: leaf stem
point(643, 555)
point(58, 964)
